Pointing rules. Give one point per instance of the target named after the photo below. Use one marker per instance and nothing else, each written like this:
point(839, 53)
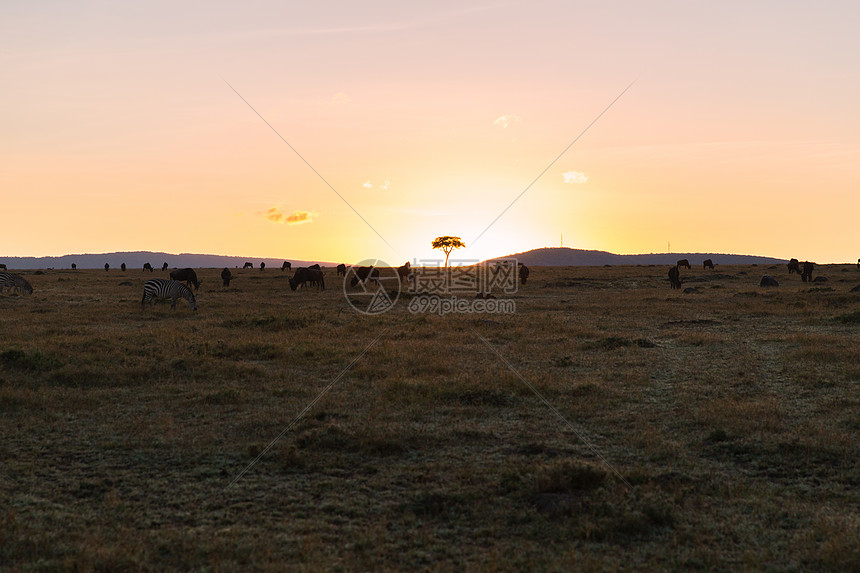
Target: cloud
point(506, 120)
point(339, 98)
point(298, 217)
point(275, 215)
point(384, 186)
point(574, 177)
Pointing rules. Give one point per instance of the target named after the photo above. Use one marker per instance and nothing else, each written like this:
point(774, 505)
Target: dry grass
point(731, 411)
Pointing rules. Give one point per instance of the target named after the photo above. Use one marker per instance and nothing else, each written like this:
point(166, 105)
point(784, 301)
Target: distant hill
point(136, 259)
point(563, 257)
point(554, 256)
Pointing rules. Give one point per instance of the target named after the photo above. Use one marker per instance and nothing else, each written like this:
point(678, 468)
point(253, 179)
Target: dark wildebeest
point(74, 267)
point(226, 275)
point(675, 277)
point(315, 267)
point(262, 265)
point(248, 265)
point(524, 273)
point(286, 265)
point(683, 263)
point(708, 264)
point(147, 267)
point(404, 270)
point(768, 281)
point(341, 269)
point(806, 272)
point(307, 275)
point(363, 274)
point(188, 276)
point(122, 267)
point(164, 267)
point(793, 266)
point(3, 266)
point(107, 266)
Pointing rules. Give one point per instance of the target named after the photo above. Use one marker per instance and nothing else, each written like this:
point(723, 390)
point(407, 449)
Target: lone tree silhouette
point(447, 244)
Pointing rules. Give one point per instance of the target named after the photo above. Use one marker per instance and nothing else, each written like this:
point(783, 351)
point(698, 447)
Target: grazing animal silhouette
point(188, 276)
point(708, 264)
point(107, 266)
point(262, 266)
point(147, 267)
point(286, 265)
point(793, 266)
point(768, 281)
point(675, 277)
point(226, 275)
point(524, 273)
point(248, 265)
point(341, 269)
point(164, 267)
point(163, 288)
point(683, 263)
point(806, 273)
point(15, 283)
point(122, 267)
point(363, 274)
point(404, 270)
point(307, 275)
point(3, 266)
point(74, 267)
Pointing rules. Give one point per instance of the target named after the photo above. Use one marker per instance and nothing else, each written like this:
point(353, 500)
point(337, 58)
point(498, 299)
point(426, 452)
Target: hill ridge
point(566, 256)
point(136, 259)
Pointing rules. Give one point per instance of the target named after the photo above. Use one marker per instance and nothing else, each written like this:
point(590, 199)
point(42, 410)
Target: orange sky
point(740, 135)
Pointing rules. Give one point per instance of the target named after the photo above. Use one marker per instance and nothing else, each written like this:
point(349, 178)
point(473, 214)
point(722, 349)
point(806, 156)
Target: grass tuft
point(568, 476)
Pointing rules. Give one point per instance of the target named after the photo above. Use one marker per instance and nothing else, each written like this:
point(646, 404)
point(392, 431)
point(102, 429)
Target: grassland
point(731, 415)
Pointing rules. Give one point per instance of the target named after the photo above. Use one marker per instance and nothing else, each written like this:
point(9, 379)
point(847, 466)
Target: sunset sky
point(119, 131)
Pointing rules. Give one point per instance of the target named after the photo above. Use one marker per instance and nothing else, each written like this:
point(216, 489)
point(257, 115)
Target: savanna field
point(727, 419)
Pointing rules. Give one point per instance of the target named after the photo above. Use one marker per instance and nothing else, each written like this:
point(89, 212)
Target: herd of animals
point(182, 281)
point(804, 269)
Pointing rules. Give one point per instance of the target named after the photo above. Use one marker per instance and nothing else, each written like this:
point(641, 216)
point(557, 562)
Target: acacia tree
point(447, 244)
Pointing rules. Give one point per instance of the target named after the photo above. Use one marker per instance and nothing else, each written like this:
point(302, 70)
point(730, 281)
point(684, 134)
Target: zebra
point(163, 288)
point(15, 283)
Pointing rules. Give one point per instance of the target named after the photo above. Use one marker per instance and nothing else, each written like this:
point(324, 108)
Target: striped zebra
point(163, 288)
point(15, 283)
